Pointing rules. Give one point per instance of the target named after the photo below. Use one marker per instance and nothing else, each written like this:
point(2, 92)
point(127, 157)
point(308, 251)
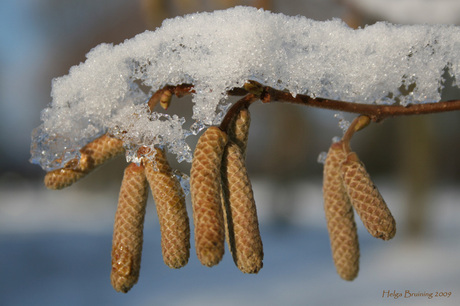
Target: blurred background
point(55, 245)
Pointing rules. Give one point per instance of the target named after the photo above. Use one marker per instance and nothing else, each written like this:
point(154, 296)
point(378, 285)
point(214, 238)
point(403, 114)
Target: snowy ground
point(55, 250)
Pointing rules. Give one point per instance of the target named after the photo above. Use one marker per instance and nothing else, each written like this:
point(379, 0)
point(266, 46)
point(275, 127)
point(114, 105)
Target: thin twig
point(375, 112)
point(357, 124)
point(244, 102)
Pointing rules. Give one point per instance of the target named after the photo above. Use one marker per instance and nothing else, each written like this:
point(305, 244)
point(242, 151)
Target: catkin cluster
point(222, 198)
point(172, 214)
point(129, 217)
point(347, 185)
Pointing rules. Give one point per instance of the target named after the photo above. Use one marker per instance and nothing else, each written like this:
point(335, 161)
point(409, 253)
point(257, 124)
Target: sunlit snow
point(221, 50)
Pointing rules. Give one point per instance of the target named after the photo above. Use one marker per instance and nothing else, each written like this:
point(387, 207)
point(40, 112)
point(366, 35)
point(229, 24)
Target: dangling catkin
point(366, 199)
point(93, 154)
point(243, 228)
point(171, 209)
point(245, 243)
point(339, 216)
point(238, 130)
point(128, 229)
point(205, 188)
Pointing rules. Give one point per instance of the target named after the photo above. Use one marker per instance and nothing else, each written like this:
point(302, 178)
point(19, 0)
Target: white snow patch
point(222, 50)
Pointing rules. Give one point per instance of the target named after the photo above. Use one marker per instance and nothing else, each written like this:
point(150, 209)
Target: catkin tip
point(62, 178)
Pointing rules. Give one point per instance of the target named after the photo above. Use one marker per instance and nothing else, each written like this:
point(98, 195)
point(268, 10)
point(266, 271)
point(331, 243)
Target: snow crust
point(222, 50)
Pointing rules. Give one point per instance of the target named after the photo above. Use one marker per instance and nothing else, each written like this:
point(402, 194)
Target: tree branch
point(375, 112)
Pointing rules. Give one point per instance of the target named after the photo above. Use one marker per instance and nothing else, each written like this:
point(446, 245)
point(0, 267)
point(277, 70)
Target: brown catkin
point(171, 209)
point(339, 216)
point(366, 199)
point(128, 229)
point(244, 238)
point(93, 154)
point(205, 188)
point(238, 130)
point(61, 178)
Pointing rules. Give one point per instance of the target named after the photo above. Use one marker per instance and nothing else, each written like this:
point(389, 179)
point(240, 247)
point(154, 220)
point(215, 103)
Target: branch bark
point(375, 112)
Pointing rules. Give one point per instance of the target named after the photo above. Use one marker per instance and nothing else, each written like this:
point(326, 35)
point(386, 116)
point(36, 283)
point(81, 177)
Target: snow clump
point(222, 50)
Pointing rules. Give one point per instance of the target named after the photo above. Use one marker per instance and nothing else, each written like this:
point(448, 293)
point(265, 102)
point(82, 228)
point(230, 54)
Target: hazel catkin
point(171, 209)
point(205, 188)
point(61, 178)
point(366, 199)
point(238, 130)
point(93, 155)
point(243, 233)
point(128, 229)
point(339, 216)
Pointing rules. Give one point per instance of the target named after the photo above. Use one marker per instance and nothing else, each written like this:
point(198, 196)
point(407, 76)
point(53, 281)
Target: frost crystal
point(322, 158)
point(344, 124)
point(219, 51)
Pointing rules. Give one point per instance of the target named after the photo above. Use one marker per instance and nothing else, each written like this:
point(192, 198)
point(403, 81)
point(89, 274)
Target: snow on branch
point(217, 52)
